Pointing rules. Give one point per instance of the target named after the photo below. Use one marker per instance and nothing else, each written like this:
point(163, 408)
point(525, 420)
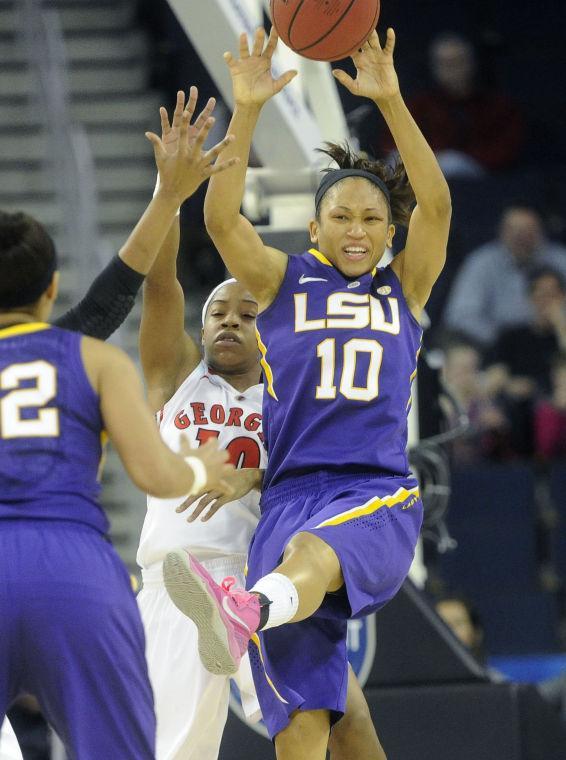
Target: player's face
point(354, 229)
point(228, 334)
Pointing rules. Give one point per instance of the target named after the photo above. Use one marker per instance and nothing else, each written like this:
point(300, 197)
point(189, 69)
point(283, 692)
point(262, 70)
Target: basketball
point(324, 30)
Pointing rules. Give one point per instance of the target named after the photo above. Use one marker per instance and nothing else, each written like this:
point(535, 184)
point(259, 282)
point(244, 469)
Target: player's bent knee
point(319, 556)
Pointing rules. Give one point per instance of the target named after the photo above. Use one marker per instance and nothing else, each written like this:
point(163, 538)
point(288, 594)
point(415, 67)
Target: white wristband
point(155, 193)
point(199, 474)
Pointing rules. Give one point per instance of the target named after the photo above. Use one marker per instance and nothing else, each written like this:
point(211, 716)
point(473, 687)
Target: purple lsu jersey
point(339, 356)
point(50, 428)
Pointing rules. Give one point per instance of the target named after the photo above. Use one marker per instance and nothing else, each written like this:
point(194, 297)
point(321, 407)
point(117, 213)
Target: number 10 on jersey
point(330, 385)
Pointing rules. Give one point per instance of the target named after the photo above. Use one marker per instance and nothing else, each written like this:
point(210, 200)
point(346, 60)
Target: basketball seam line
point(332, 28)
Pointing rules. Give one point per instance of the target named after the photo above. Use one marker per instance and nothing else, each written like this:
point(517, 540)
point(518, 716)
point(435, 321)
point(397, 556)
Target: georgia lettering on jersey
point(206, 406)
point(340, 353)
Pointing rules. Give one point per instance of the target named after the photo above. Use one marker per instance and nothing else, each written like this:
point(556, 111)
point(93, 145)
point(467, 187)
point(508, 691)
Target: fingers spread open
point(201, 137)
point(205, 113)
point(374, 40)
point(211, 155)
point(158, 147)
point(191, 102)
point(244, 49)
point(390, 41)
point(222, 166)
point(284, 80)
point(271, 43)
point(202, 505)
point(259, 40)
point(165, 126)
point(344, 78)
point(215, 507)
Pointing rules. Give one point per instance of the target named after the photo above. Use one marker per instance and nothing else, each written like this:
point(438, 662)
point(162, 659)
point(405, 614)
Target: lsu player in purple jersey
point(202, 391)
point(70, 631)
point(339, 337)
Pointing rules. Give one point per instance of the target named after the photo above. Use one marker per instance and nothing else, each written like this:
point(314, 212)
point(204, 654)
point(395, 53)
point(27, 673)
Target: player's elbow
point(441, 202)
point(219, 223)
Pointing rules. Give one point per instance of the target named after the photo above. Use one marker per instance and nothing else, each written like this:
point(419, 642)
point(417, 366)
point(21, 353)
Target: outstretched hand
point(376, 77)
point(241, 481)
point(182, 163)
point(215, 460)
point(253, 82)
point(170, 131)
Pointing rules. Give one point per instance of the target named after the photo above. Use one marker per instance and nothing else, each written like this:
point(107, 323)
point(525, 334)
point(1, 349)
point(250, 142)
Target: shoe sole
point(190, 595)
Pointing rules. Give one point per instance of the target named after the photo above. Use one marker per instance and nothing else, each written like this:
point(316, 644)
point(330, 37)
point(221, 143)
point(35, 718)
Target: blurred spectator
point(489, 433)
point(463, 619)
point(471, 128)
point(520, 360)
point(490, 291)
point(550, 416)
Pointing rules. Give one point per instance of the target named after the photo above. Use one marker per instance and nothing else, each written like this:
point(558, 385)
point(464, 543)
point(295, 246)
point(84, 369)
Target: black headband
point(331, 177)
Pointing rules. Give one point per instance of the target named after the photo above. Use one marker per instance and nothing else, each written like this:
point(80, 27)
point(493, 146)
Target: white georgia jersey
point(207, 406)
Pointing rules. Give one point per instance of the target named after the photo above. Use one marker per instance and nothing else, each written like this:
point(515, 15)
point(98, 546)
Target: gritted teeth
point(230, 337)
point(355, 249)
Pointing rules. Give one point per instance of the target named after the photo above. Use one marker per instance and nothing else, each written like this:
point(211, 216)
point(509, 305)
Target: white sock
point(283, 596)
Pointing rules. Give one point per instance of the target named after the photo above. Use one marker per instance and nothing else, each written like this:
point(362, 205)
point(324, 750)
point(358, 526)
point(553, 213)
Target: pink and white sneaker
point(225, 616)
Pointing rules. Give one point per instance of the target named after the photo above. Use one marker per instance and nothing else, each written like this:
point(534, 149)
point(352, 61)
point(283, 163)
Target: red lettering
point(204, 435)
point(217, 414)
point(198, 413)
point(252, 422)
point(235, 417)
point(243, 451)
point(181, 420)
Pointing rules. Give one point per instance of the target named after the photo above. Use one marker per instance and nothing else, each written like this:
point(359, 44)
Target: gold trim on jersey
point(256, 641)
point(320, 257)
point(265, 365)
point(413, 375)
point(103, 453)
point(371, 506)
point(23, 329)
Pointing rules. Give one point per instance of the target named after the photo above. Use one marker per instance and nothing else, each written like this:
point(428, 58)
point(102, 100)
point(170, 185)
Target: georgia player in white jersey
point(220, 397)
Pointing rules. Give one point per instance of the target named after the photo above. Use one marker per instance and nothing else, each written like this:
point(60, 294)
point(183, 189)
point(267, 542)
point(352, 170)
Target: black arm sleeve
point(107, 303)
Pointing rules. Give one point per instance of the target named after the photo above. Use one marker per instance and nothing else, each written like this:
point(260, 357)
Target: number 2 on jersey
point(45, 422)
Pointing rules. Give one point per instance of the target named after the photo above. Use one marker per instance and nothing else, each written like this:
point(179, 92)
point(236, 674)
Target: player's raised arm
point(168, 354)
point(152, 466)
point(181, 172)
point(420, 264)
point(258, 267)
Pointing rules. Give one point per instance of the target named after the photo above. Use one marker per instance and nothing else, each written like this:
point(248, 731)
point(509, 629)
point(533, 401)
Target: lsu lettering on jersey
point(206, 406)
point(50, 428)
point(339, 356)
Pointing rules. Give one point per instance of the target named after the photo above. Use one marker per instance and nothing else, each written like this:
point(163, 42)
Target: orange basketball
point(324, 30)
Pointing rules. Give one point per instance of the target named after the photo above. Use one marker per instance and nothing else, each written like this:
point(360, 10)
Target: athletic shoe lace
point(239, 595)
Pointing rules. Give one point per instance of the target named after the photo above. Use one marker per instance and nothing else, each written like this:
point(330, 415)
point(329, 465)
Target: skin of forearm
point(140, 249)
point(173, 478)
point(425, 175)
point(164, 269)
point(226, 189)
